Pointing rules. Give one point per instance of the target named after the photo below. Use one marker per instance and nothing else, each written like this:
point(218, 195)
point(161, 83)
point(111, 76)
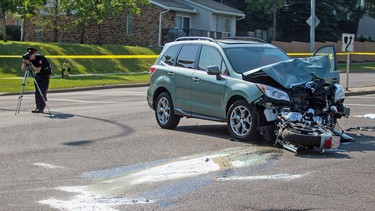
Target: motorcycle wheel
point(295, 137)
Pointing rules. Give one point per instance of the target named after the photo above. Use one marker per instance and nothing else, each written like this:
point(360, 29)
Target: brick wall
point(114, 31)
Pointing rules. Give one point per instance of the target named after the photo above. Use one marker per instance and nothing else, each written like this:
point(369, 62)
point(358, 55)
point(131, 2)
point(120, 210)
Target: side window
point(209, 57)
point(187, 56)
point(169, 57)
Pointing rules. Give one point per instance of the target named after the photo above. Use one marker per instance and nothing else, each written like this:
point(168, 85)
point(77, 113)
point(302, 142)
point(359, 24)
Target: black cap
point(31, 50)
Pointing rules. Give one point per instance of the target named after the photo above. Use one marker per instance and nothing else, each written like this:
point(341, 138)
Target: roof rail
point(244, 38)
point(196, 38)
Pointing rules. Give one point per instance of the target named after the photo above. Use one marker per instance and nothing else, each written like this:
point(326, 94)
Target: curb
point(81, 89)
point(351, 92)
point(360, 91)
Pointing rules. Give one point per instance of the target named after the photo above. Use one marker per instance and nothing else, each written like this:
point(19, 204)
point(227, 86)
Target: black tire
point(164, 112)
point(243, 122)
point(295, 137)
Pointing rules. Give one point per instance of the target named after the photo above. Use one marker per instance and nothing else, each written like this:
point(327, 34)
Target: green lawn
point(10, 67)
point(119, 71)
point(368, 66)
point(15, 84)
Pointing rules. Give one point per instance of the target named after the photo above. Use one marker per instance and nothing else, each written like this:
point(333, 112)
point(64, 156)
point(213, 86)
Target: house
point(366, 28)
point(162, 22)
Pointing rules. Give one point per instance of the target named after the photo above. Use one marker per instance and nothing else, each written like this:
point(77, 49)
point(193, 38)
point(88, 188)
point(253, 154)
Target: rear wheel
point(164, 112)
point(242, 121)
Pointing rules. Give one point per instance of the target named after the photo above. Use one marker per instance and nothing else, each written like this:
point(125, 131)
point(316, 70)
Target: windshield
point(243, 59)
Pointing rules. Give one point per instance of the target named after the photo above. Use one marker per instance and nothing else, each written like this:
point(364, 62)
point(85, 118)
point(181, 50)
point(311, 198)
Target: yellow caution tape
point(362, 53)
point(155, 56)
point(90, 56)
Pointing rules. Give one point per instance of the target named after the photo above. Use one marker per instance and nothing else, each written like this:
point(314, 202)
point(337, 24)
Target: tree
point(90, 12)
point(267, 7)
point(328, 29)
point(370, 7)
point(333, 16)
point(350, 12)
point(52, 10)
point(27, 9)
point(6, 6)
point(293, 19)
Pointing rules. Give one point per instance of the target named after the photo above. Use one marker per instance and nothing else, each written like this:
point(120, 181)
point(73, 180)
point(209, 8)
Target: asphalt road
point(102, 150)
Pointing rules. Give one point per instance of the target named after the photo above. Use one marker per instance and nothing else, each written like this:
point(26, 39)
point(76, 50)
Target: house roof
point(217, 7)
point(189, 6)
point(174, 5)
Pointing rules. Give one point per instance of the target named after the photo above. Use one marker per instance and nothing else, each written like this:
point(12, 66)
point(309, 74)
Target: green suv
point(221, 80)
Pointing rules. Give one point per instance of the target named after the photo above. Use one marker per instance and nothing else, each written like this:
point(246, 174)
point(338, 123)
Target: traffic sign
point(347, 42)
point(309, 21)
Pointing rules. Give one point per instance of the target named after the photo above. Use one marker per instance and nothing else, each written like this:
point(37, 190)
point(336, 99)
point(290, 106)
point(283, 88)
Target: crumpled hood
point(296, 71)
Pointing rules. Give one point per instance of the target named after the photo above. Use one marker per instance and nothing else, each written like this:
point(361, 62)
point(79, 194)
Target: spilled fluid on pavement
point(162, 180)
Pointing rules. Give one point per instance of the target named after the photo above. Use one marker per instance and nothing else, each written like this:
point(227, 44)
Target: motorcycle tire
point(295, 137)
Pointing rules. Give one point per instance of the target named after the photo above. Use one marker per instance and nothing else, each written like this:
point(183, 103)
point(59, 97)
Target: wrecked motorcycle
point(311, 121)
point(307, 120)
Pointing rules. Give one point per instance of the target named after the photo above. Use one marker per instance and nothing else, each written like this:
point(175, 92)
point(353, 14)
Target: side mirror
point(214, 70)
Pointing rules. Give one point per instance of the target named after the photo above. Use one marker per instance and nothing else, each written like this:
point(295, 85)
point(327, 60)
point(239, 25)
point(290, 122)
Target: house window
point(223, 25)
point(18, 22)
point(183, 23)
point(39, 32)
point(129, 25)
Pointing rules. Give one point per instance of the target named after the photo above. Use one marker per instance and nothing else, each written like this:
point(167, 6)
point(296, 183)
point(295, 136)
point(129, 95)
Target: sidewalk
point(360, 83)
point(360, 91)
point(351, 92)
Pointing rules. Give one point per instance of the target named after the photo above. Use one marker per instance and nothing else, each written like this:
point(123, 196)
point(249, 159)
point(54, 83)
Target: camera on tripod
point(30, 51)
point(26, 56)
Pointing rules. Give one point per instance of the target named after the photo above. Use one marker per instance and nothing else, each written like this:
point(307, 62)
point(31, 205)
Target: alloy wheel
point(240, 121)
point(163, 110)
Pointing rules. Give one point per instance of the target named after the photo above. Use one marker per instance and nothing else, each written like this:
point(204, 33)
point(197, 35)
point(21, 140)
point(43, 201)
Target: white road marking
point(45, 165)
point(364, 105)
point(370, 116)
point(86, 200)
point(284, 176)
point(361, 97)
point(64, 100)
point(114, 93)
point(81, 101)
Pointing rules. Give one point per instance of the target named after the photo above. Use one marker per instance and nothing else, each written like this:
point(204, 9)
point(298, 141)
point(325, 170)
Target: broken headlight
point(273, 93)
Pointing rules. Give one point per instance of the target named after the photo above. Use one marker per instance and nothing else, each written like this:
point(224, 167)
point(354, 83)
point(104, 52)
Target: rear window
point(243, 59)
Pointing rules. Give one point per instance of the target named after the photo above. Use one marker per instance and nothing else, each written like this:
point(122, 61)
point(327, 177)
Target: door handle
point(171, 74)
point(196, 79)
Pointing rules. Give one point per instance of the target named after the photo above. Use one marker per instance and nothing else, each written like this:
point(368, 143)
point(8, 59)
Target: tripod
point(27, 71)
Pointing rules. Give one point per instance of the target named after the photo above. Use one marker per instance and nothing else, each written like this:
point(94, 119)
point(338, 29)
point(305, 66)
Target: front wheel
point(242, 121)
point(164, 112)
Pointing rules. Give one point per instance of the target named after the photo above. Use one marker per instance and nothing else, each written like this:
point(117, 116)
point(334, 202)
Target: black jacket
point(41, 61)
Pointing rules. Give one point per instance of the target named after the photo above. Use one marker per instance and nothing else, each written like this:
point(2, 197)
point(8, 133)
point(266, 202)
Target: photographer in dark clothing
point(39, 64)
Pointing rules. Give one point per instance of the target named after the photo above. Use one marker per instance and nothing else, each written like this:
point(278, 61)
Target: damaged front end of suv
point(302, 102)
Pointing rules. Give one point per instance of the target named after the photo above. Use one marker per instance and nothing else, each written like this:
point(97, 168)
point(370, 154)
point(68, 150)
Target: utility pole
point(312, 27)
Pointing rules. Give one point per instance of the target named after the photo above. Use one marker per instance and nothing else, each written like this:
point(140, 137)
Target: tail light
point(328, 143)
point(152, 70)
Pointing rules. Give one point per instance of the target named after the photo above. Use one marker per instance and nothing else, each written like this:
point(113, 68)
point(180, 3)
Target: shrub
point(13, 33)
